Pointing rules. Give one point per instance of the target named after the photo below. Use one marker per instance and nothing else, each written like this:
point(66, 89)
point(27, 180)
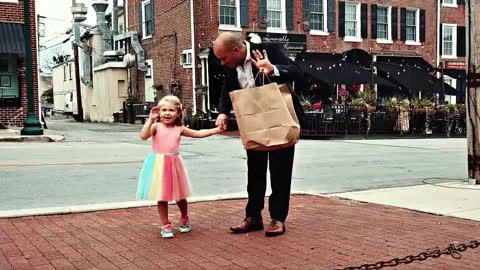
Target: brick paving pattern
point(322, 233)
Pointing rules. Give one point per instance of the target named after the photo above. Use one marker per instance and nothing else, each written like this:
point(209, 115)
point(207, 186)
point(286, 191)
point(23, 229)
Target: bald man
point(244, 61)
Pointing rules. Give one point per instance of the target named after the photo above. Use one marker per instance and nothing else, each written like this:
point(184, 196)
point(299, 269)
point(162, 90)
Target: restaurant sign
point(455, 65)
point(292, 43)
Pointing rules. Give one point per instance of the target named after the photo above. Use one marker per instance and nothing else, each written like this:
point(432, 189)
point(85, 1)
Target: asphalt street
point(99, 163)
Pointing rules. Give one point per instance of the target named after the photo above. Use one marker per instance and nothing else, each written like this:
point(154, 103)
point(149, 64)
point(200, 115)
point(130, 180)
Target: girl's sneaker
point(167, 231)
point(184, 225)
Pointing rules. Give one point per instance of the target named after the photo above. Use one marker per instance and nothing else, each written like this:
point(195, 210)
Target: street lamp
point(31, 125)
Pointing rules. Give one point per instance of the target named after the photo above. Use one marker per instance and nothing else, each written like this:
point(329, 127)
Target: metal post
point(31, 125)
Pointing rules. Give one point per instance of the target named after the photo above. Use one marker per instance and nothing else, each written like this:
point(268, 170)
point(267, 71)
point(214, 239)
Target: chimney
point(115, 17)
point(100, 6)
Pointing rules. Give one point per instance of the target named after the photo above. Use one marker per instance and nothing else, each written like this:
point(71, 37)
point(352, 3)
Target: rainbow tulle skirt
point(163, 178)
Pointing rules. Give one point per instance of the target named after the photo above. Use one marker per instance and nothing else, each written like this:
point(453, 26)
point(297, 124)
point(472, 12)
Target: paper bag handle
point(263, 78)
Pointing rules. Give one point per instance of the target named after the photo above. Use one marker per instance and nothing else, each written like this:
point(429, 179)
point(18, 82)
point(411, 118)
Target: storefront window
point(8, 78)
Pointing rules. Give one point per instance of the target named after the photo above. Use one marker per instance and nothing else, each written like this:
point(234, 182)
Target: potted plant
point(306, 102)
point(358, 105)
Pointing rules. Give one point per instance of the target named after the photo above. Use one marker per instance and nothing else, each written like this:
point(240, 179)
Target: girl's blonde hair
point(175, 101)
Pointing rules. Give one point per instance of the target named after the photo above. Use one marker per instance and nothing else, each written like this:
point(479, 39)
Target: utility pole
point(31, 125)
point(40, 35)
point(473, 87)
point(78, 12)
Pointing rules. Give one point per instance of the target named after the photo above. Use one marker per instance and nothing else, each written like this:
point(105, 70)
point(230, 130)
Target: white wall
point(63, 87)
point(109, 92)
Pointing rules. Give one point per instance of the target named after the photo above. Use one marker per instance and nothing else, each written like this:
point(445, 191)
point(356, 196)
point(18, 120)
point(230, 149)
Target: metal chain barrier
point(454, 250)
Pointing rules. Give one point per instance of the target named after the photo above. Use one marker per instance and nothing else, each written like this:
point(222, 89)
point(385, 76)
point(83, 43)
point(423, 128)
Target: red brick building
point(165, 34)
point(389, 30)
point(452, 38)
point(13, 88)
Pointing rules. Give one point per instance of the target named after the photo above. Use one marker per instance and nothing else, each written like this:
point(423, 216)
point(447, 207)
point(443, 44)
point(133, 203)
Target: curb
point(116, 205)
point(48, 138)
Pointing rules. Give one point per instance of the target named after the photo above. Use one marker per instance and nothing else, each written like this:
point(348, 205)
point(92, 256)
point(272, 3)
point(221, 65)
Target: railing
point(341, 120)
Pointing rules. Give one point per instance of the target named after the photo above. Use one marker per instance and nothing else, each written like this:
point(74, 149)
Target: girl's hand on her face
point(154, 113)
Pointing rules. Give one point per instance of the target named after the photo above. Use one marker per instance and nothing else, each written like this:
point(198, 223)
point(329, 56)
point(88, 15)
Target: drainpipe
point(125, 15)
point(439, 2)
point(115, 17)
point(192, 29)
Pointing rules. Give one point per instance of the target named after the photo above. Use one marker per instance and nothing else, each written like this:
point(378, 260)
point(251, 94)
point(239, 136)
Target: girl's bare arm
point(200, 133)
point(148, 129)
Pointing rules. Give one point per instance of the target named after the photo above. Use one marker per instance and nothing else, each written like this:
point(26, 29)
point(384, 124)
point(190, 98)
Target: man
point(236, 54)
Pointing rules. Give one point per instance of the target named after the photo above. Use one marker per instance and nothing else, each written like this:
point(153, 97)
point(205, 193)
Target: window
point(318, 18)
point(70, 71)
point(276, 14)
point(449, 3)
point(9, 89)
point(3, 65)
point(449, 41)
point(453, 83)
point(384, 23)
point(5, 81)
point(352, 21)
point(65, 72)
point(229, 14)
point(147, 19)
point(412, 27)
point(186, 59)
point(8, 1)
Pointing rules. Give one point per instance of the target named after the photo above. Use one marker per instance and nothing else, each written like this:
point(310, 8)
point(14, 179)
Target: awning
point(11, 37)
point(455, 73)
point(412, 61)
point(332, 68)
point(413, 79)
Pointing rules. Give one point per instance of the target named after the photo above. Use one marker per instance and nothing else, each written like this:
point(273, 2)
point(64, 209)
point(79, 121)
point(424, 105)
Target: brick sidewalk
point(322, 233)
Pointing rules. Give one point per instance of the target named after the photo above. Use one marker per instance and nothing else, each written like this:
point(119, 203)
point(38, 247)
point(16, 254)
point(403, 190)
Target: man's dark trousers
point(280, 163)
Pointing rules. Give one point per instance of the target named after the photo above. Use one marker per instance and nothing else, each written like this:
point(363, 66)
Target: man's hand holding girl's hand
point(222, 121)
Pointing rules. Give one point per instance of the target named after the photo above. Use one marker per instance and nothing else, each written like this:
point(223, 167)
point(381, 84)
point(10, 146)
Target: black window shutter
point(140, 21)
point(422, 25)
point(394, 23)
point(331, 15)
point(244, 13)
point(364, 20)
point(403, 24)
point(341, 18)
point(460, 2)
point(290, 15)
point(262, 13)
point(441, 40)
point(461, 41)
point(306, 15)
point(374, 21)
point(152, 8)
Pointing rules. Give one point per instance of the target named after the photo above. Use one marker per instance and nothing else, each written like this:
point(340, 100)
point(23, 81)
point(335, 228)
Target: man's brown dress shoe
point(249, 224)
point(275, 228)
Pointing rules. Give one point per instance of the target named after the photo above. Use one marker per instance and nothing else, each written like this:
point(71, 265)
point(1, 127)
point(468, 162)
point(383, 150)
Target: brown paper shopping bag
point(265, 117)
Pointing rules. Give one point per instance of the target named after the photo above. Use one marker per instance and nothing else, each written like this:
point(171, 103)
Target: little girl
point(163, 177)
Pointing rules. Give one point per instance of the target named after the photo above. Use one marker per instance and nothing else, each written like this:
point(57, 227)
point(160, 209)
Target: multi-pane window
point(411, 25)
point(382, 23)
point(147, 13)
point(228, 12)
point(351, 23)
point(448, 40)
point(317, 15)
point(274, 13)
point(449, 2)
